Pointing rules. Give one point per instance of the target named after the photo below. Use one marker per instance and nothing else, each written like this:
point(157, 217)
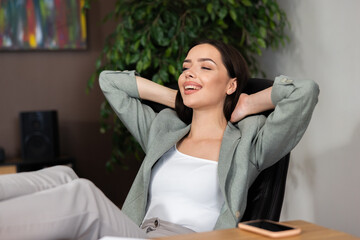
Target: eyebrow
point(201, 60)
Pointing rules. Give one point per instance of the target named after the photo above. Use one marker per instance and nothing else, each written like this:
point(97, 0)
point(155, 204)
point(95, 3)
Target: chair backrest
point(266, 194)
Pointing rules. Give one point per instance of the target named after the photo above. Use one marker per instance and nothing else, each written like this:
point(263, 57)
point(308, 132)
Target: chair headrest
point(257, 84)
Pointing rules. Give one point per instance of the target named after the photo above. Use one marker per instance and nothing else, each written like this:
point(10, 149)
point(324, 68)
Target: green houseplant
point(153, 36)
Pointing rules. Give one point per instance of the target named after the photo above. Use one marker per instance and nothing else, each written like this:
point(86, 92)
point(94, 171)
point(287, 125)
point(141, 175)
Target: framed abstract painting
point(42, 25)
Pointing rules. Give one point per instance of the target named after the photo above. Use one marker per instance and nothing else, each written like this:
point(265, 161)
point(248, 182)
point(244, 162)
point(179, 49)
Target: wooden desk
point(309, 231)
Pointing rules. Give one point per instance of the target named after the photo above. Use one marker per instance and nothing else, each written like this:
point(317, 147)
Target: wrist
point(260, 101)
point(172, 97)
point(252, 105)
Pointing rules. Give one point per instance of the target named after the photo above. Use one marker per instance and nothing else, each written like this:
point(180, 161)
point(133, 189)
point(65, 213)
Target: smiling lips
point(191, 87)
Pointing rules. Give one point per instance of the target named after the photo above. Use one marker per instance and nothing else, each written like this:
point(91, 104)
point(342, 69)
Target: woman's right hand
point(241, 108)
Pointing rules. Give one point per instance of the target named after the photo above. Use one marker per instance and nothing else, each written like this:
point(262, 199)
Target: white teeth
point(192, 87)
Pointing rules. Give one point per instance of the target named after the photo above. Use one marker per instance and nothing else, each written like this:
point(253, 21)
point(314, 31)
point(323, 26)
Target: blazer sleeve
point(294, 102)
point(120, 90)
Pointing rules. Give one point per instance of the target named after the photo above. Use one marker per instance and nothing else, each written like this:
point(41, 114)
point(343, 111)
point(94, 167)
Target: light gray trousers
point(54, 203)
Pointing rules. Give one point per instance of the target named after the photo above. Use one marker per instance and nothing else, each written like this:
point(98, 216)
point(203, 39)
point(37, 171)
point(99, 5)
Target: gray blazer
point(248, 146)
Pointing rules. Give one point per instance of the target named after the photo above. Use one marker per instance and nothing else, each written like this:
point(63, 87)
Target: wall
point(57, 80)
point(323, 182)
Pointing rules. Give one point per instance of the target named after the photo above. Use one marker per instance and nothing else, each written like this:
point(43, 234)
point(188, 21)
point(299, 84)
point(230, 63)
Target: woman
point(200, 161)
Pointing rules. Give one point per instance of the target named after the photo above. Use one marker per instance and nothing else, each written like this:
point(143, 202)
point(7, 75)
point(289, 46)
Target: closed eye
point(184, 69)
point(206, 68)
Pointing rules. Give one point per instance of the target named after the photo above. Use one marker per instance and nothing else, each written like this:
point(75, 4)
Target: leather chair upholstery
point(266, 194)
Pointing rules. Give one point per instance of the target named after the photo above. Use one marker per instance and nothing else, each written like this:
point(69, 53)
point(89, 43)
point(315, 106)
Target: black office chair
point(266, 194)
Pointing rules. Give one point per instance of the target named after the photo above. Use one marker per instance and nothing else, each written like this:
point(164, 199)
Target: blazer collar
point(228, 145)
point(161, 146)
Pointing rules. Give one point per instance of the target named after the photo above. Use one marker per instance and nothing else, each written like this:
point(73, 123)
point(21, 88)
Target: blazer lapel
point(161, 145)
point(231, 138)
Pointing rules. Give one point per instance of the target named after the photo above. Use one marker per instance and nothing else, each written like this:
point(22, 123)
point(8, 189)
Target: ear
point(232, 86)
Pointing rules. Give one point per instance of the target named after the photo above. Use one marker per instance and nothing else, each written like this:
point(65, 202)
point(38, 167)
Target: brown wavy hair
point(236, 67)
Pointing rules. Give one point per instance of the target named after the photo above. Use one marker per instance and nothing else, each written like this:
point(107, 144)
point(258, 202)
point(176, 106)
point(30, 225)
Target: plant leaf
point(246, 3)
point(233, 14)
point(172, 69)
point(261, 42)
point(209, 8)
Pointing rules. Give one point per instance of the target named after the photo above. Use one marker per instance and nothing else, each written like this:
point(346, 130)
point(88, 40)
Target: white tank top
point(185, 190)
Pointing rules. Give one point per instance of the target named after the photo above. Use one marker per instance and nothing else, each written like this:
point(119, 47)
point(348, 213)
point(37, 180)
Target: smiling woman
point(213, 124)
point(200, 168)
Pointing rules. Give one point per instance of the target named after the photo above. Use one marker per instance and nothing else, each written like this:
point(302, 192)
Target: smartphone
point(269, 228)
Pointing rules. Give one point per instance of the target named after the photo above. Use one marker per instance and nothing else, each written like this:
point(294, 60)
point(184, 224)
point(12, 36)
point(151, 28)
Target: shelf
point(19, 165)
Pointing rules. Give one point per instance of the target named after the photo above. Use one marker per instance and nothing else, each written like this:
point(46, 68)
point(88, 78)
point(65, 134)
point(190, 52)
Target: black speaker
point(2, 155)
point(39, 135)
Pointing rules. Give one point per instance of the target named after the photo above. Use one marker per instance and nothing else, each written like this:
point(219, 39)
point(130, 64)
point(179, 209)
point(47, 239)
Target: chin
point(194, 101)
point(188, 104)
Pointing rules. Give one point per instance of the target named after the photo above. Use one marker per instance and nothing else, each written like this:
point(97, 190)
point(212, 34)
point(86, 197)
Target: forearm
point(259, 102)
point(149, 90)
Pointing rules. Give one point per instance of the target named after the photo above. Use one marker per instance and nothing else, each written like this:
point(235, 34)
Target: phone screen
point(269, 226)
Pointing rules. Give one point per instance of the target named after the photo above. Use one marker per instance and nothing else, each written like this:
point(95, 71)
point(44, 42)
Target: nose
point(189, 74)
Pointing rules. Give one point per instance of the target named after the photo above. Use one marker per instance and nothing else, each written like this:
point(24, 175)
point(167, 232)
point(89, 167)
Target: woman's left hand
point(252, 104)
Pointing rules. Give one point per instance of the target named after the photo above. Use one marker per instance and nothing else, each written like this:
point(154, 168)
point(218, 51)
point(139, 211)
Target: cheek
point(180, 81)
point(181, 78)
point(218, 85)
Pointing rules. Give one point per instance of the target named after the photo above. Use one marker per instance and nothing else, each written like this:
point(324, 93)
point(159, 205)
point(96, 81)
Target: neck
point(207, 125)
